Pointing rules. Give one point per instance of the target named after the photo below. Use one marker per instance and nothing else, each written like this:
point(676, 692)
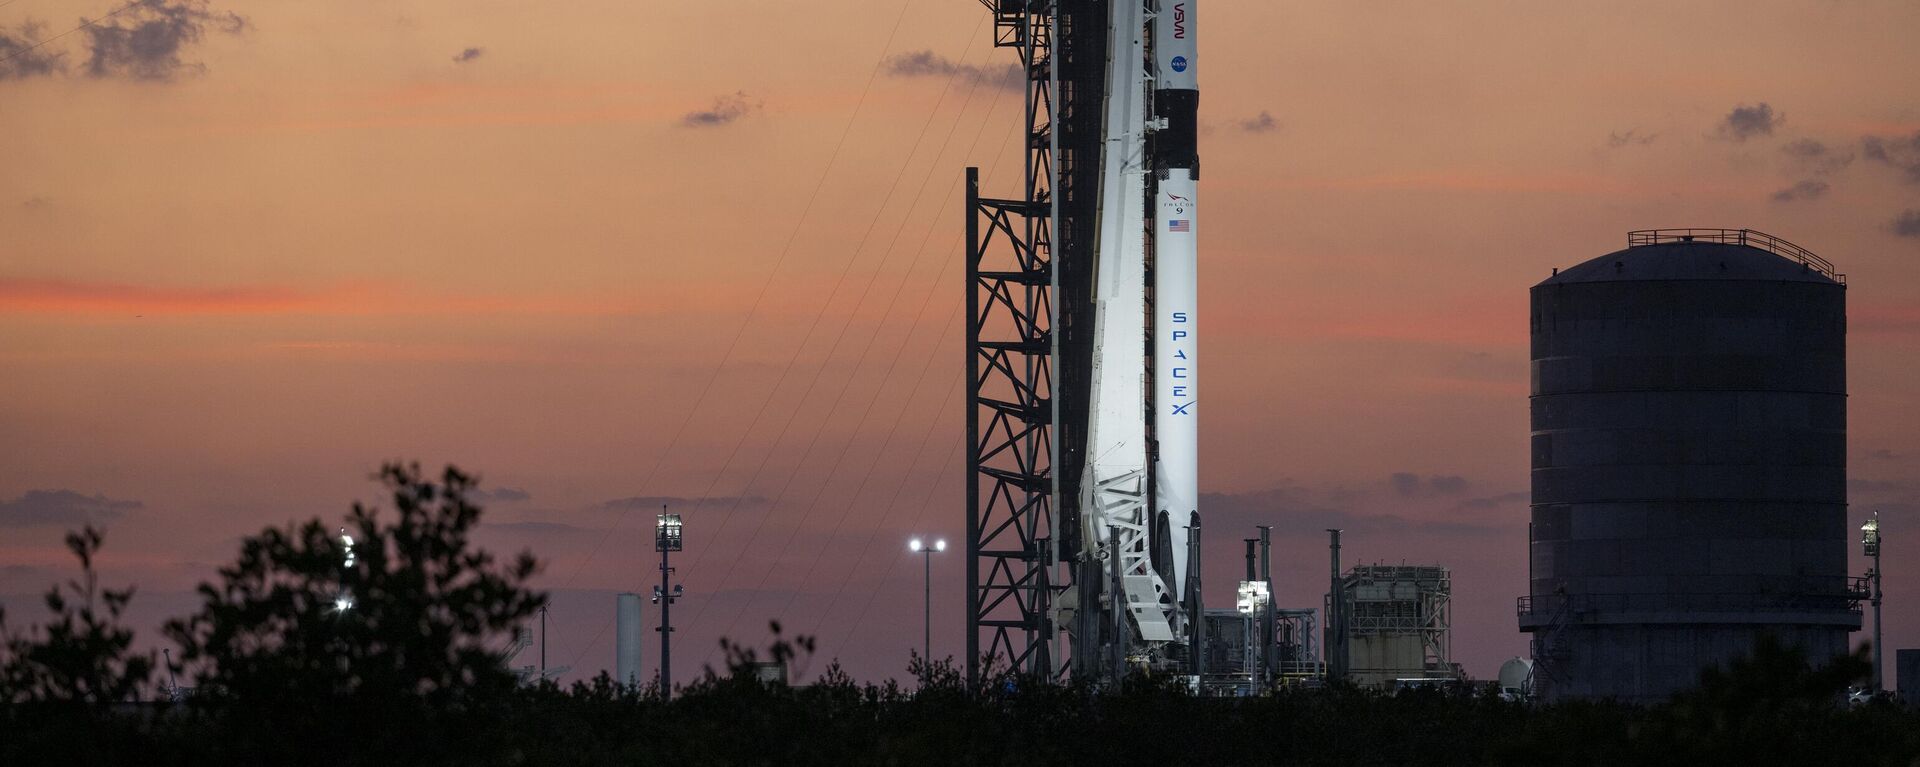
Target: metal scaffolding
point(1012, 496)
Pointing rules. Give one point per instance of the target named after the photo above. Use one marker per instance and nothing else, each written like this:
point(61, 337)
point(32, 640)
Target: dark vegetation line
point(276, 673)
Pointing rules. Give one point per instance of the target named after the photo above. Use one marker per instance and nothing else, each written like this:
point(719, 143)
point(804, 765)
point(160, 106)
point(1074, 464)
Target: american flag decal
point(1179, 225)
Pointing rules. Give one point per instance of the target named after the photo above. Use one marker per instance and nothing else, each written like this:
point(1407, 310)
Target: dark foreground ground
point(1775, 720)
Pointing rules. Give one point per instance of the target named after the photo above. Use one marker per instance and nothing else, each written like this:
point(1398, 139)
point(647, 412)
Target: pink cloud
point(52, 297)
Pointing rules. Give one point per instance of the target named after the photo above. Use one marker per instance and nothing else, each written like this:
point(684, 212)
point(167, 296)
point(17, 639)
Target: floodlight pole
point(1335, 645)
point(926, 613)
point(666, 540)
point(1870, 541)
point(925, 549)
point(1255, 652)
point(666, 629)
point(1268, 658)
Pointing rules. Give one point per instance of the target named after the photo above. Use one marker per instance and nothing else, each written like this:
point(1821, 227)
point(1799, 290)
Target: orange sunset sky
point(604, 253)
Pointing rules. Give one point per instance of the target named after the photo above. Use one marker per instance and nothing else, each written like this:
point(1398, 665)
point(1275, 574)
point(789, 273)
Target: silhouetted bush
point(81, 656)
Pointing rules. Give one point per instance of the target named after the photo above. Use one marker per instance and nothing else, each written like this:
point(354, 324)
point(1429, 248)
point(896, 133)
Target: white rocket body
point(1175, 273)
point(1175, 55)
point(1147, 208)
point(1116, 511)
point(1176, 364)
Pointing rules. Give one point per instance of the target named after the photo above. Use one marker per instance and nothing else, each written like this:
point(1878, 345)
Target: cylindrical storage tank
point(1689, 462)
point(626, 640)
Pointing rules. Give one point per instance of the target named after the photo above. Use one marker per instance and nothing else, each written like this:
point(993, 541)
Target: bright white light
point(342, 603)
point(1251, 597)
point(913, 545)
point(940, 545)
point(346, 541)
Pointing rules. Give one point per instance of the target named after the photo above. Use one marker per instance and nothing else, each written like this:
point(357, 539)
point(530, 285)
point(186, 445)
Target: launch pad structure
point(1082, 487)
point(1398, 623)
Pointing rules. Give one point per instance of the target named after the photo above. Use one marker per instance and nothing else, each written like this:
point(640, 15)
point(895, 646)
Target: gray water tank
point(1689, 462)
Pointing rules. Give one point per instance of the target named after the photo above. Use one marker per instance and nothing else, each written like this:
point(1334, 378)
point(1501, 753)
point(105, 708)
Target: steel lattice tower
point(1011, 423)
point(1029, 312)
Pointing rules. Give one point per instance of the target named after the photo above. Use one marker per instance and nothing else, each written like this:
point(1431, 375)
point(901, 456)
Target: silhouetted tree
point(82, 655)
point(402, 671)
point(1770, 706)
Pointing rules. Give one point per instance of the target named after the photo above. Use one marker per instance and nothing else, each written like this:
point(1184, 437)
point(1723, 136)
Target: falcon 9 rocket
point(1140, 493)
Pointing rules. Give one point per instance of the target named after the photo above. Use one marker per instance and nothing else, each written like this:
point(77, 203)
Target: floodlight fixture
point(667, 533)
point(1870, 535)
point(1251, 598)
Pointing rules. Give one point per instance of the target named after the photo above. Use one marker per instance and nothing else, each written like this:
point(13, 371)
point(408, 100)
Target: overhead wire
point(926, 503)
point(901, 554)
point(753, 310)
point(813, 443)
point(814, 384)
point(867, 234)
point(739, 332)
point(84, 23)
point(946, 327)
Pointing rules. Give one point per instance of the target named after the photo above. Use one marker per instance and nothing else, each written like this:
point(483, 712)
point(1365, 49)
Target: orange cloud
point(1478, 323)
point(23, 296)
point(29, 296)
point(1884, 320)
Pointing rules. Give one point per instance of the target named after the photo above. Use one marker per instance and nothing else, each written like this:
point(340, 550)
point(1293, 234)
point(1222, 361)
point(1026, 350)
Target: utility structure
point(1870, 544)
point(925, 550)
point(1255, 601)
point(1335, 646)
point(1295, 646)
point(1082, 469)
point(1396, 624)
point(1269, 657)
point(666, 540)
point(1689, 453)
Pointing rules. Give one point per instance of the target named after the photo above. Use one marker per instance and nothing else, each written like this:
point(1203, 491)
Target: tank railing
point(1748, 237)
point(1848, 600)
